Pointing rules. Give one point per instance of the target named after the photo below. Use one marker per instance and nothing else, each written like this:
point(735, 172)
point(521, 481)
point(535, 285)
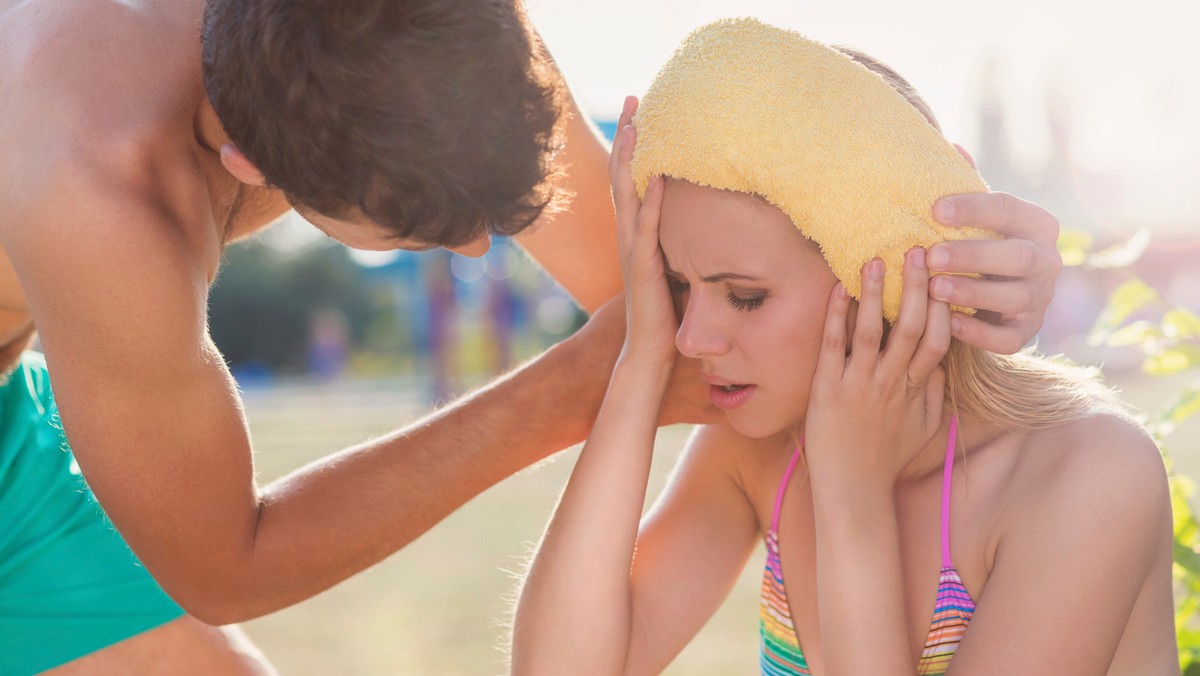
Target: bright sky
point(1129, 67)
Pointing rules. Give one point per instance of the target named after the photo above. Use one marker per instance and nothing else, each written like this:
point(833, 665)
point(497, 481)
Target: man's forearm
point(335, 517)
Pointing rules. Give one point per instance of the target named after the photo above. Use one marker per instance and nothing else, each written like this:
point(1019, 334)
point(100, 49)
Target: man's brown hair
point(436, 119)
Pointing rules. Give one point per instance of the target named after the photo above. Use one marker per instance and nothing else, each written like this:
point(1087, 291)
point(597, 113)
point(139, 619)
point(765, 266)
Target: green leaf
point(1122, 255)
point(1124, 301)
point(1172, 360)
point(1185, 405)
point(1073, 245)
point(1181, 323)
point(1136, 333)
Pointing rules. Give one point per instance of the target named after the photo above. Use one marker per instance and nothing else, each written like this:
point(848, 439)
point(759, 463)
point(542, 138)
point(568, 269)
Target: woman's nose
point(700, 334)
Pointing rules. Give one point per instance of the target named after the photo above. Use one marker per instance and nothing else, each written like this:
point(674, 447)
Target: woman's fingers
point(625, 198)
point(831, 362)
point(646, 223)
point(910, 324)
point(868, 325)
point(625, 119)
point(933, 345)
point(935, 397)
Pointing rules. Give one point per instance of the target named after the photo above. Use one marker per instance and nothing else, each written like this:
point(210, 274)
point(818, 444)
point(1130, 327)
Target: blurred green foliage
point(1169, 339)
point(261, 306)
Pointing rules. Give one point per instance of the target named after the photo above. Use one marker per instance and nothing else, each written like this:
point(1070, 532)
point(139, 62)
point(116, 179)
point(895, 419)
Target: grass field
point(439, 606)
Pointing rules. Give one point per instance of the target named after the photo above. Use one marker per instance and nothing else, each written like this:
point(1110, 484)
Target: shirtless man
point(140, 138)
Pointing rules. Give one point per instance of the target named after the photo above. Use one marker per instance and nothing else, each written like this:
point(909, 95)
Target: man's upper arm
point(578, 246)
point(145, 399)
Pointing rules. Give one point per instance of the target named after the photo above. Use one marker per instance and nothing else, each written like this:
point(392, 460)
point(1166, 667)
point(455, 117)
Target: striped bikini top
point(780, 646)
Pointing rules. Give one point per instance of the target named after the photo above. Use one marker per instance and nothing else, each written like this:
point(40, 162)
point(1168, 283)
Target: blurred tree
point(261, 308)
point(1169, 339)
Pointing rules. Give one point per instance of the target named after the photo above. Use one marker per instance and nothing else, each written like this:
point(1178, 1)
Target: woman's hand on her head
point(871, 410)
point(686, 400)
point(650, 316)
point(1019, 271)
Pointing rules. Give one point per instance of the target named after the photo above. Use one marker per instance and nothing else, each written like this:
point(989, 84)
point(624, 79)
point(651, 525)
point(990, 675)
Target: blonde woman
point(927, 507)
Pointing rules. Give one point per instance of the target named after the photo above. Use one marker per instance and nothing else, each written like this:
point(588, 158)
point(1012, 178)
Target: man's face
point(362, 233)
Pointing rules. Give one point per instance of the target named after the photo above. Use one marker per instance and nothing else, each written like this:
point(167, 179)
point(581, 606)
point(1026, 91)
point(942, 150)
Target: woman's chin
point(755, 427)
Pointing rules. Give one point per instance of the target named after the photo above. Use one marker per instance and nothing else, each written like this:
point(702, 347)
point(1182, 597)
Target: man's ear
point(241, 167)
point(963, 151)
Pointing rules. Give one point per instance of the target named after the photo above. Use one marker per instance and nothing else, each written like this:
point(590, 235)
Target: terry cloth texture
point(69, 585)
point(752, 108)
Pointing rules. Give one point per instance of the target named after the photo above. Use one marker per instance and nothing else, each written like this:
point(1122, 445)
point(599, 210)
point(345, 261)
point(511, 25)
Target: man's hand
point(1018, 272)
point(687, 394)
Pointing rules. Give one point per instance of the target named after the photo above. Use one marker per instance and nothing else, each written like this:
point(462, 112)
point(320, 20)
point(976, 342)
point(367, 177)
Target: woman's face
point(752, 294)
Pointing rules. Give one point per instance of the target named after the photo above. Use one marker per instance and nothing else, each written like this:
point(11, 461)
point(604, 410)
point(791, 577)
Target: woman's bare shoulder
point(1102, 462)
point(1106, 441)
point(751, 462)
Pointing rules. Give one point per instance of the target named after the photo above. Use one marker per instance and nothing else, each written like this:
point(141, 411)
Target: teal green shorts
point(69, 585)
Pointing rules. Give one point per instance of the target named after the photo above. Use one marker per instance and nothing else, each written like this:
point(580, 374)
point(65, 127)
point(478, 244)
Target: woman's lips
point(722, 397)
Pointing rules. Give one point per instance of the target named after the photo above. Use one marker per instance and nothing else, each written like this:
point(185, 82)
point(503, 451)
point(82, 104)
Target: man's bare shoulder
point(110, 84)
point(98, 51)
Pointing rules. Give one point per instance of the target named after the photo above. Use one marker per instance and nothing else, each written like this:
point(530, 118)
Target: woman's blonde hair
point(1021, 391)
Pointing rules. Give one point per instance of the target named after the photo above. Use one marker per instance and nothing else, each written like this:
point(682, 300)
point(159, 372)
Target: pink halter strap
point(947, 474)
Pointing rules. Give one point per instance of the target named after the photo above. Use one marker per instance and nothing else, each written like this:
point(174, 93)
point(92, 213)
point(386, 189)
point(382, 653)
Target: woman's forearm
point(860, 587)
point(575, 609)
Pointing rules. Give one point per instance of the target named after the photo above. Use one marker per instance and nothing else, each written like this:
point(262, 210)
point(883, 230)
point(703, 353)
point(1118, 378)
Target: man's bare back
point(105, 89)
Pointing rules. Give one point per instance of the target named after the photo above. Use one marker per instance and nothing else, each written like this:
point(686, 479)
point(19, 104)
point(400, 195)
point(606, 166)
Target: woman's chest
point(930, 540)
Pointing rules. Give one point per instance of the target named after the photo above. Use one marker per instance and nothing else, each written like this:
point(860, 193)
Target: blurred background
point(1089, 109)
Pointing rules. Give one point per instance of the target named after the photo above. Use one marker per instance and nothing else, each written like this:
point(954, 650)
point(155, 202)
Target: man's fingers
point(1009, 297)
point(1006, 257)
point(1004, 213)
point(1005, 337)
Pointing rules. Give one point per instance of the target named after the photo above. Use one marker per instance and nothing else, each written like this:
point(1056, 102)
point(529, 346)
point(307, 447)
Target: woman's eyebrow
point(711, 279)
point(722, 276)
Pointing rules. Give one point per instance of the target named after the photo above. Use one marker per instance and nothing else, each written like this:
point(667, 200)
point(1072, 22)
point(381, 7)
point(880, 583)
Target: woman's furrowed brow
point(723, 276)
point(711, 279)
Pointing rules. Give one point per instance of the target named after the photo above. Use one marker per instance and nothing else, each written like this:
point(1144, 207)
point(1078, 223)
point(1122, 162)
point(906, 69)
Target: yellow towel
point(752, 108)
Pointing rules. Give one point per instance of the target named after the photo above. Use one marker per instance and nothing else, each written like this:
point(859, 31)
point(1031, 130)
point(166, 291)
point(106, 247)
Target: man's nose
point(475, 248)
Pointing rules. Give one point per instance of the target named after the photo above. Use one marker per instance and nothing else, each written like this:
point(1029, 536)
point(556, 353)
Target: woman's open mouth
point(730, 397)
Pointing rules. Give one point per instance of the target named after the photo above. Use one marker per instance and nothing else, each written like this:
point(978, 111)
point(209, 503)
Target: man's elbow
point(218, 601)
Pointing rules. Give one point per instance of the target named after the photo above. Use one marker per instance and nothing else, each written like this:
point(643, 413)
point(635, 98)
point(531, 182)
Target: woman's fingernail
point(875, 269)
point(841, 290)
point(918, 258)
point(939, 258)
point(941, 288)
point(943, 211)
point(955, 324)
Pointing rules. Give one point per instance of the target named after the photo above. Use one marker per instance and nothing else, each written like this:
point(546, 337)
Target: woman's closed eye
point(744, 303)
